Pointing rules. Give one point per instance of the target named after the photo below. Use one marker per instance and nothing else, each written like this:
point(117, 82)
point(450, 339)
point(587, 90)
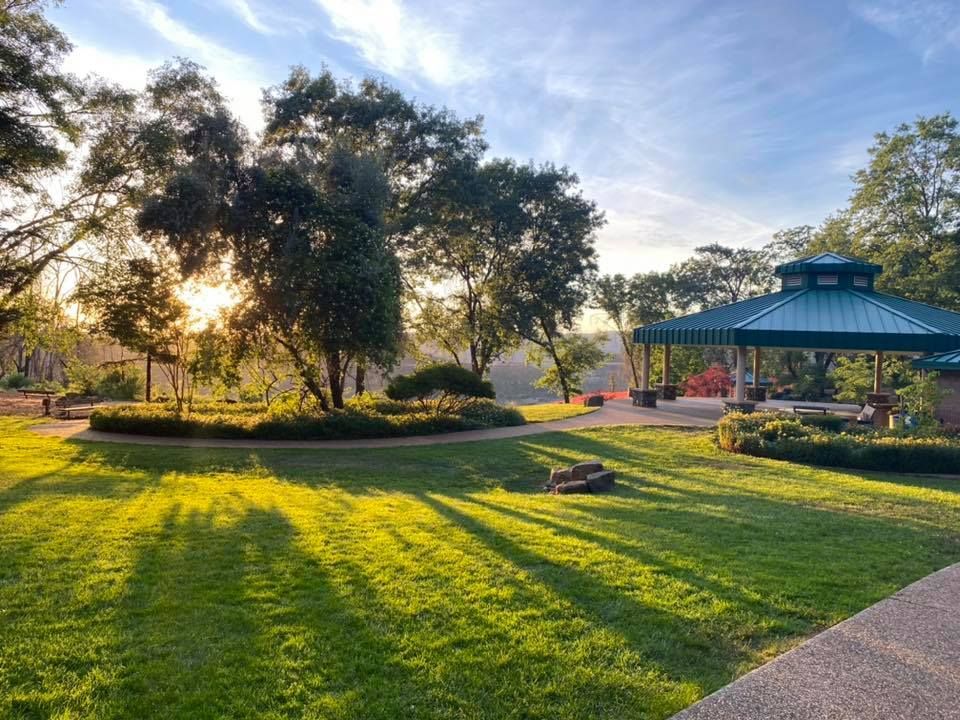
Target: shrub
point(82, 379)
point(783, 438)
point(450, 387)
point(828, 423)
point(250, 420)
point(15, 381)
point(121, 383)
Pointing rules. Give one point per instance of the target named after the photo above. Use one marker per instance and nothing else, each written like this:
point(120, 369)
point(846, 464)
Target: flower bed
point(786, 438)
point(376, 418)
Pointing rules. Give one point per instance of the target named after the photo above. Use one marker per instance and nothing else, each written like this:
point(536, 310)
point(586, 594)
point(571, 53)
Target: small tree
point(923, 396)
point(448, 388)
point(713, 382)
point(579, 354)
point(135, 303)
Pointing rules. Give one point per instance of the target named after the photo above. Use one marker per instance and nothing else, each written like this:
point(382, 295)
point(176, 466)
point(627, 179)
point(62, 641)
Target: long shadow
point(685, 652)
point(234, 619)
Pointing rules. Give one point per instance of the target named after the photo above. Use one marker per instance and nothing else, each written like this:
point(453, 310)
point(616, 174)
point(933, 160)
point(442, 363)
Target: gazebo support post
point(740, 403)
point(741, 373)
point(666, 390)
point(878, 372)
point(644, 396)
point(756, 391)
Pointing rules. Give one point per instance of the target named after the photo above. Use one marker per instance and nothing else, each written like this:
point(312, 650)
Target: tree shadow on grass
point(226, 616)
point(685, 652)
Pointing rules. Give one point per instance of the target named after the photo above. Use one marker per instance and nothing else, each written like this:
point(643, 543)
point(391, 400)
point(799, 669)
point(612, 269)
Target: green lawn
point(429, 582)
point(552, 411)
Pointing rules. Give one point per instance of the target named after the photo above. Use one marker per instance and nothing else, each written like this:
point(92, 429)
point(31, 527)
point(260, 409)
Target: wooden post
point(148, 385)
point(756, 367)
point(666, 365)
point(645, 368)
point(878, 372)
point(741, 373)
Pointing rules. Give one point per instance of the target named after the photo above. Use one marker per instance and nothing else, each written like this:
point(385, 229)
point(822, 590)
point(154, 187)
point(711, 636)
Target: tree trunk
point(148, 384)
point(335, 379)
point(361, 377)
point(628, 351)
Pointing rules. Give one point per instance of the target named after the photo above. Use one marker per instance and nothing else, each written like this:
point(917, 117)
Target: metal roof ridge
point(790, 296)
point(701, 312)
point(898, 313)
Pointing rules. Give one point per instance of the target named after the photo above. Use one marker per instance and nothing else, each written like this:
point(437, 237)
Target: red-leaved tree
point(713, 382)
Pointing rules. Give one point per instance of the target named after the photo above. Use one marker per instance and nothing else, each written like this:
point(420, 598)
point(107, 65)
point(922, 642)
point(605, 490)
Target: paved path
point(688, 412)
point(897, 660)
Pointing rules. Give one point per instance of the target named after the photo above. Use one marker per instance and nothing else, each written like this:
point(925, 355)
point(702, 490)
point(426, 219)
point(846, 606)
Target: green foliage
point(828, 423)
point(773, 436)
point(82, 378)
point(923, 396)
point(245, 420)
point(121, 383)
point(448, 388)
point(15, 381)
point(854, 376)
point(717, 275)
point(572, 356)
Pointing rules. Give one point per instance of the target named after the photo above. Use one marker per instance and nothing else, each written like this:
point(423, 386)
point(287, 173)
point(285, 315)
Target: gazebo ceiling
point(826, 302)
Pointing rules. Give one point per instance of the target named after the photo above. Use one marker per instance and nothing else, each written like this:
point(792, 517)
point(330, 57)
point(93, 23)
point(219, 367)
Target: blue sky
point(688, 122)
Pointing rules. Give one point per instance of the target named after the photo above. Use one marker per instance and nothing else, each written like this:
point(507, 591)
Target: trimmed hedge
point(230, 422)
point(785, 438)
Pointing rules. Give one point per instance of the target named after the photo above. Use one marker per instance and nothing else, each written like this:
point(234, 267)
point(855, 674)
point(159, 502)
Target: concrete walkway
point(897, 660)
point(685, 412)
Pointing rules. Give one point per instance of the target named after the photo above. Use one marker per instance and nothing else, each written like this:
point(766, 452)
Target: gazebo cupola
point(827, 271)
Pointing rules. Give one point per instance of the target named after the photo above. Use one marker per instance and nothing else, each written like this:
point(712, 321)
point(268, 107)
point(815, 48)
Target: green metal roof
point(943, 361)
point(816, 317)
point(828, 262)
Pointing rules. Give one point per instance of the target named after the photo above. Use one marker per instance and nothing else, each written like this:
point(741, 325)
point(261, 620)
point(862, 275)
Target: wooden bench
point(74, 412)
point(37, 393)
point(809, 410)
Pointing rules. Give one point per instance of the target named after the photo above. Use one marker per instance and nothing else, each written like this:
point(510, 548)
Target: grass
point(552, 411)
point(430, 582)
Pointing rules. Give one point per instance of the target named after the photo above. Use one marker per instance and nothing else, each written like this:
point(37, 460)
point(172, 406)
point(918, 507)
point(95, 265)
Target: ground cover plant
point(830, 440)
point(430, 582)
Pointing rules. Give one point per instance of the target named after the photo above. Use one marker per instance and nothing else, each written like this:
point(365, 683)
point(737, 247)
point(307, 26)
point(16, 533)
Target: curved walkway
point(683, 412)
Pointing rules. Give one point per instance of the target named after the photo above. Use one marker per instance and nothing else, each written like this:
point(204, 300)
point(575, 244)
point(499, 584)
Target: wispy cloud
point(239, 75)
point(928, 27)
point(250, 17)
point(395, 40)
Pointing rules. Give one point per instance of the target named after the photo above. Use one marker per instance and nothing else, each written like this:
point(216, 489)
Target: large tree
point(718, 275)
point(76, 156)
point(906, 210)
point(548, 281)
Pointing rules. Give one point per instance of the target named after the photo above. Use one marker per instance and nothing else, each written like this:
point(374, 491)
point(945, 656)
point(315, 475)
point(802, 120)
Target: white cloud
point(396, 41)
point(240, 76)
point(648, 228)
point(124, 69)
point(250, 17)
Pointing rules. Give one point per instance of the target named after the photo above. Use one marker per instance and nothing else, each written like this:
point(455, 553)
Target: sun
point(207, 302)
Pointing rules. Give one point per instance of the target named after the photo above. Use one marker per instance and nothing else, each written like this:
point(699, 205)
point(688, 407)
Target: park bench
point(809, 410)
point(77, 406)
point(37, 393)
point(75, 412)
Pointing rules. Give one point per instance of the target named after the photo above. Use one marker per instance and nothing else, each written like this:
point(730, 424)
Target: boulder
point(574, 486)
point(600, 481)
point(581, 470)
point(560, 475)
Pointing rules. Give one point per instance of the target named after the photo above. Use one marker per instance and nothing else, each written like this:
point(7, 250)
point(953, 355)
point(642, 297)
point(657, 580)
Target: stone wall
point(949, 410)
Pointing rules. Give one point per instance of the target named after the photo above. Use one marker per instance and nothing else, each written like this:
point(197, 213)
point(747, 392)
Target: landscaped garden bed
point(364, 418)
point(832, 441)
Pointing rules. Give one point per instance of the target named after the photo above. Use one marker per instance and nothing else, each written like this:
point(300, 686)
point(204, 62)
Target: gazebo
point(826, 302)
